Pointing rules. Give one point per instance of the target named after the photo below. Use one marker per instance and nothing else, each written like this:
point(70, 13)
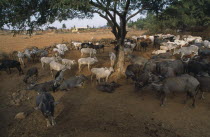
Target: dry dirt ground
point(87, 112)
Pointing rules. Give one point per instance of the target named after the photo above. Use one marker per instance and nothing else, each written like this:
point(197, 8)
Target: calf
point(107, 87)
point(88, 51)
point(31, 72)
point(62, 47)
point(77, 45)
point(87, 61)
point(187, 50)
point(98, 47)
point(144, 45)
point(45, 102)
point(57, 67)
point(7, 64)
point(73, 82)
point(87, 45)
point(58, 52)
point(68, 62)
point(59, 76)
point(45, 87)
point(48, 60)
point(38, 53)
point(101, 73)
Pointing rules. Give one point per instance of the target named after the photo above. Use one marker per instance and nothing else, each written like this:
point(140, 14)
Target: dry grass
point(9, 43)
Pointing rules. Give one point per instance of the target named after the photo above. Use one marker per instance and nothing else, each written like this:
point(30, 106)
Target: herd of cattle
point(163, 72)
point(166, 74)
point(44, 100)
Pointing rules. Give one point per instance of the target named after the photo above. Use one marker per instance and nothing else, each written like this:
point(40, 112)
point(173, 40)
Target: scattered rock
point(161, 125)
point(18, 97)
point(12, 102)
point(14, 95)
point(20, 115)
point(23, 92)
point(21, 97)
point(17, 101)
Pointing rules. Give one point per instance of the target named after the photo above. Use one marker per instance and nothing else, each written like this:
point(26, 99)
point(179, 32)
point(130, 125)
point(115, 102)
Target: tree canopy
point(30, 14)
point(180, 15)
point(23, 14)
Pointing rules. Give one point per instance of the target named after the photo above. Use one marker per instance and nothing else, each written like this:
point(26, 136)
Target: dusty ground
point(86, 112)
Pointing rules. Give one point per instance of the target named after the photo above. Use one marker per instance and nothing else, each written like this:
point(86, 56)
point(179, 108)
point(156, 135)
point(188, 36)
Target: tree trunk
point(121, 55)
point(120, 62)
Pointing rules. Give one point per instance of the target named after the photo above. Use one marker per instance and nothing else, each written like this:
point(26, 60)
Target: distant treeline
point(179, 16)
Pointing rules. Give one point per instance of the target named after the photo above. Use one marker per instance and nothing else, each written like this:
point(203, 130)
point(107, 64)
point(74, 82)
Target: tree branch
point(114, 29)
point(126, 7)
point(131, 16)
point(103, 16)
point(112, 9)
point(115, 9)
point(101, 7)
